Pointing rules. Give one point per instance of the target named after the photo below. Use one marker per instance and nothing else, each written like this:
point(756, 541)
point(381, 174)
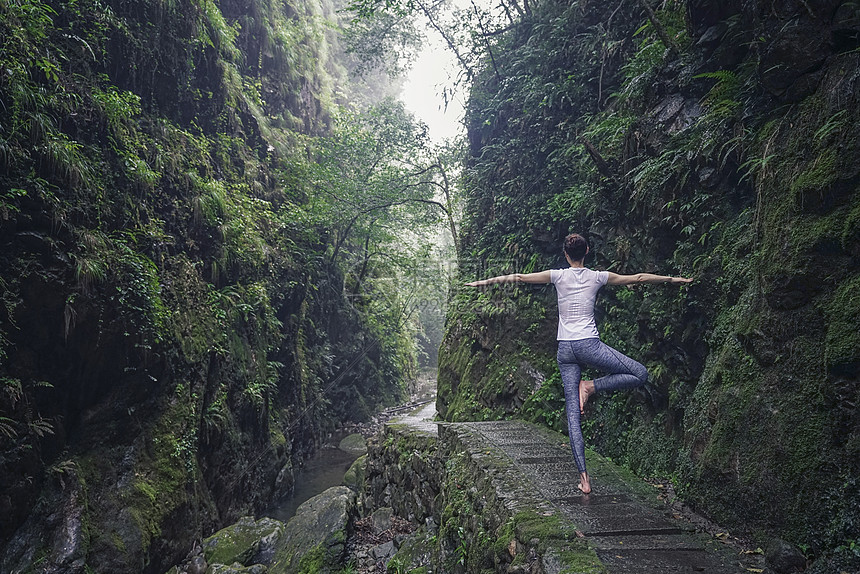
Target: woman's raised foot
point(586, 389)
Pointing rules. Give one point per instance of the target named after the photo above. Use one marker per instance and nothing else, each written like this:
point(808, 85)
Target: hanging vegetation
point(186, 310)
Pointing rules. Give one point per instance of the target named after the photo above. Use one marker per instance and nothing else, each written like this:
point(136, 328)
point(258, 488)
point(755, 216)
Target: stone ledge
point(504, 497)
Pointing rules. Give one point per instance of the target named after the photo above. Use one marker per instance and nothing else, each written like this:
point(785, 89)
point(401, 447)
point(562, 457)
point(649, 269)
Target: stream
point(327, 466)
point(320, 472)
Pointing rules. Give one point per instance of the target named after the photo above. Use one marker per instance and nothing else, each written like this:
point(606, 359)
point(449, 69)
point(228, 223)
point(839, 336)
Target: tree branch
point(499, 31)
point(602, 165)
point(486, 41)
point(451, 45)
point(352, 220)
point(449, 210)
point(516, 6)
point(661, 31)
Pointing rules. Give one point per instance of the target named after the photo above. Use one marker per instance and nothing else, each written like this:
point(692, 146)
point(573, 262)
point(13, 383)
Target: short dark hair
point(575, 246)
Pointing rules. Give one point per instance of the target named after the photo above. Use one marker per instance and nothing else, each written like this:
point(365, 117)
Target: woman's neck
point(576, 264)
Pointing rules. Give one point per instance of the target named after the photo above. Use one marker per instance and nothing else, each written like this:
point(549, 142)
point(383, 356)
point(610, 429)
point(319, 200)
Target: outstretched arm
point(616, 279)
point(539, 277)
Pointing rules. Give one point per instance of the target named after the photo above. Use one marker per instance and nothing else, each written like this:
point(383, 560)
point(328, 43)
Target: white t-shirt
point(577, 289)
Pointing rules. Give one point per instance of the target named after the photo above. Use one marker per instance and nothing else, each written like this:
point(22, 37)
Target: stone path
point(629, 534)
point(421, 419)
point(631, 530)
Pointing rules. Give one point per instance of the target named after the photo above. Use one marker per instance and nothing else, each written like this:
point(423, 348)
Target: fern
point(7, 427)
point(835, 123)
point(89, 271)
point(722, 99)
point(68, 466)
point(13, 389)
point(40, 427)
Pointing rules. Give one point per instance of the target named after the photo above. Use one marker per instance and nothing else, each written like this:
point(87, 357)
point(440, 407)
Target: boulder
point(353, 444)
point(384, 551)
point(354, 477)
point(381, 519)
point(194, 563)
point(783, 557)
point(315, 538)
point(416, 552)
point(246, 542)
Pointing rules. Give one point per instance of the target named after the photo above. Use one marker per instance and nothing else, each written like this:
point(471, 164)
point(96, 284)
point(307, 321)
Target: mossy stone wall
point(485, 516)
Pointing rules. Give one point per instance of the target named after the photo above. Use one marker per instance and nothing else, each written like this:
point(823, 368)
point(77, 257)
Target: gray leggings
point(623, 373)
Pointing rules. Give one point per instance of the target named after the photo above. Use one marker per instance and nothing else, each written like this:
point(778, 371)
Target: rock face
point(732, 158)
point(67, 550)
point(404, 473)
point(165, 319)
point(248, 541)
point(314, 539)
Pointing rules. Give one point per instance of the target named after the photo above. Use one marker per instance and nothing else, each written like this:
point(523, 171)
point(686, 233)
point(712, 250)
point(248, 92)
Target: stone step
point(617, 520)
point(625, 541)
point(647, 561)
point(519, 474)
point(629, 535)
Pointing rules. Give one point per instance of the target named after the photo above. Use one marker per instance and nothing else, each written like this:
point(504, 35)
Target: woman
point(579, 344)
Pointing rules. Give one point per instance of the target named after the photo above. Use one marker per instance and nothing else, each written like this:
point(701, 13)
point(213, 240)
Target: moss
point(314, 561)
point(321, 560)
point(554, 535)
point(822, 172)
point(850, 235)
point(842, 343)
point(490, 385)
point(236, 543)
point(354, 477)
point(118, 542)
point(757, 432)
point(147, 489)
point(164, 470)
point(277, 437)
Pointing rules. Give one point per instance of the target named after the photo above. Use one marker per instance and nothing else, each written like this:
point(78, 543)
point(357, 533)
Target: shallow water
point(327, 466)
point(320, 472)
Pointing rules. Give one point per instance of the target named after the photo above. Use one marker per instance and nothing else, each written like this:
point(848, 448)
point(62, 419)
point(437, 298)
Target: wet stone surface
point(664, 561)
point(651, 541)
point(545, 460)
point(623, 520)
point(421, 419)
point(629, 534)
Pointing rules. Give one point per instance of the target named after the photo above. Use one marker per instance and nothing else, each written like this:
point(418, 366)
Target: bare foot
point(584, 483)
point(586, 389)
